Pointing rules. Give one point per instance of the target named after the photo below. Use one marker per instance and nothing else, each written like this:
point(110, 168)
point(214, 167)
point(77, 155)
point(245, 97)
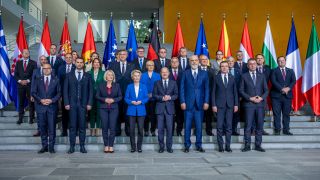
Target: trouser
point(165, 121)
point(133, 120)
point(23, 96)
point(282, 106)
point(109, 120)
point(253, 114)
point(47, 122)
point(197, 116)
point(77, 115)
point(224, 125)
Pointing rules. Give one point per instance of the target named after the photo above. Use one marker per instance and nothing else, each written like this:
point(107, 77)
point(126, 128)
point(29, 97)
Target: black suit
point(123, 79)
point(243, 68)
point(224, 97)
point(136, 63)
point(24, 90)
point(108, 112)
point(281, 103)
point(77, 94)
point(253, 111)
point(47, 114)
point(186, 64)
point(165, 110)
point(266, 71)
point(236, 116)
point(158, 65)
point(57, 62)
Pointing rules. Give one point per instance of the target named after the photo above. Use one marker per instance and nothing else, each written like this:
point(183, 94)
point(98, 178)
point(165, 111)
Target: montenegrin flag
point(88, 45)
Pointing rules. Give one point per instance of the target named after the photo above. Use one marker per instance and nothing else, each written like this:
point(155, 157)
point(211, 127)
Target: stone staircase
point(19, 137)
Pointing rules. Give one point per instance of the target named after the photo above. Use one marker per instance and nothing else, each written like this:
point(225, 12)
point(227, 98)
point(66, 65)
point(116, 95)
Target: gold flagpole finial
point(224, 15)
point(201, 15)
point(178, 15)
point(111, 14)
point(313, 17)
point(246, 15)
point(268, 16)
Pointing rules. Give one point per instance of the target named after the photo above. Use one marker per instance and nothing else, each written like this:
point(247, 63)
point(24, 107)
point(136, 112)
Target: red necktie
point(283, 74)
point(24, 66)
point(46, 84)
point(175, 74)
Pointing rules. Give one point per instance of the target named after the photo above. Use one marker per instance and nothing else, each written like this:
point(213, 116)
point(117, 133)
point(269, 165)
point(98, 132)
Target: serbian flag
point(178, 41)
point(88, 45)
point(224, 44)
point(65, 43)
point(44, 47)
point(245, 45)
point(294, 62)
point(154, 43)
point(311, 75)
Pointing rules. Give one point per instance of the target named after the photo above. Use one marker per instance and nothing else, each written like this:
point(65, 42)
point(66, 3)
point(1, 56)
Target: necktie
point(162, 63)
point(46, 84)
point(175, 74)
point(194, 75)
point(165, 85)
point(240, 64)
point(283, 74)
point(183, 63)
point(122, 69)
point(140, 63)
point(24, 65)
point(260, 69)
point(254, 78)
point(51, 63)
point(225, 80)
point(79, 75)
point(68, 68)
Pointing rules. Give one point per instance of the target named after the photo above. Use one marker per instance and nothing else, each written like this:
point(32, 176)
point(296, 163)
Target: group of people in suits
point(165, 94)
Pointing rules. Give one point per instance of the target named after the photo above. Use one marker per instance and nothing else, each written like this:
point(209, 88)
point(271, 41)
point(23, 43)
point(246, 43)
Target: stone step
point(62, 148)
point(154, 140)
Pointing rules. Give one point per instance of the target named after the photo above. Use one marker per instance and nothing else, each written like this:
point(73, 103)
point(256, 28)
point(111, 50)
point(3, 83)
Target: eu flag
point(132, 44)
point(111, 46)
point(201, 46)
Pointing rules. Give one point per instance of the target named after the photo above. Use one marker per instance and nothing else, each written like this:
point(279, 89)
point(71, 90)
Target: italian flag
point(311, 75)
point(44, 47)
point(245, 45)
point(268, 49)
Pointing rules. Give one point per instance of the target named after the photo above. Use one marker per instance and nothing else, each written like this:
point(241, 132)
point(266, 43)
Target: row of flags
point(306, 88)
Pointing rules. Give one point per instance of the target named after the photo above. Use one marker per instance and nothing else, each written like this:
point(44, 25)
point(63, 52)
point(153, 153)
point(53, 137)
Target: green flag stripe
point(269, 60)
point(313, 46)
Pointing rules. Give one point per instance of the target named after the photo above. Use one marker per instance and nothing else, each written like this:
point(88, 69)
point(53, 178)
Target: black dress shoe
point(287, 133)
point(220, 149)
point(118, 134)
point(19, 122)
point(83, 149)
point(161, 150)
point(246, 148)
point(169, 150)
point(276, 132)
point(153, 134)
point(179, 133)
point(200, 149)
point(228, 149)
point(133, 150)
point(36, 134)
point(139, 150)
point(209, 133)
point(31, 121)
point(265, 133)
point(235, 134)
point(186, 150)
point(52, 151)
point(64, 134)
point(43, 150)
point(71, 150)
point(259, 148)
point(146, 134)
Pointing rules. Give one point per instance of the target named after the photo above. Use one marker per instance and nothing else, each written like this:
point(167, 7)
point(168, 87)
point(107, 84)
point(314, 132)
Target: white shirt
point(175, 71)
point(121, 64)
point(223, 75)
point(253, 72)
point(163, 61)
point(68, 67)
point(76, 72)
point(164, 82)
point(54, 58)
point(45, 78)
point(136, 90)
point(204, 68)
point(194, 71)
point(183, 62)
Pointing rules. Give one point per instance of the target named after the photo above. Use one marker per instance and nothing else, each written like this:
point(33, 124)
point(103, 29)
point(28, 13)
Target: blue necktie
point(225, 80)
point(79, 76)
point(141, 63)
point(254, 78)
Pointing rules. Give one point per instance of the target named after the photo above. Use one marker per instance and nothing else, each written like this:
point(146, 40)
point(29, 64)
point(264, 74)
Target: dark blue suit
point(244, 67)
point(224, 97)
point(57, 63)
point(77, 94)
point(187, 65)
point(194, 93)
point(253, 111)
point(236, 116)
point(165, 110)
point(281, 103)
point(47, 114)
point(108, 112)
point(158, 65)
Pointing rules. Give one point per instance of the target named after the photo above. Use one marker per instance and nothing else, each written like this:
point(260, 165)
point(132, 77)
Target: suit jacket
point(266, 72)
point(215, 66)
point(124, 79)
point(187, 64)
point(244, 67)
point(37, 74)
point(224, 97)
point(248, 89)
point(236, 75)
point(62, 72)
point(158, 65)
point(57, 63)
point(278, 83)
point(211, 75)
point(136, 63)
point(102, 94)
point(139, 110)
point(149, 82)
point(20, 74)
point(70, 87)
point(38, 92)
point(194, 92)
point(159, 92)
point(179, 74)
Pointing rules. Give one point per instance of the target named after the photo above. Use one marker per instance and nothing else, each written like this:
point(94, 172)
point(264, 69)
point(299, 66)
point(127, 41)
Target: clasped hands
point(166, 98)
point(256, 99)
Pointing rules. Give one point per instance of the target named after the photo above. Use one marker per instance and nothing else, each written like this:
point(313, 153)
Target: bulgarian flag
point(311, 75)
point(88, 45)
point(224, 44)
point(44, 47)
point(268, 49)
point(294, 62)
point(245, 45)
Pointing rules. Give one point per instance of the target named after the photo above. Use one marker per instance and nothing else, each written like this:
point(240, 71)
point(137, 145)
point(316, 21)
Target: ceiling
point(101, 9)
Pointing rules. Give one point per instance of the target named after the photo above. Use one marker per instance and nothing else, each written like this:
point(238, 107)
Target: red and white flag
point(65, 42)
point(245, 45)
point(44, 47)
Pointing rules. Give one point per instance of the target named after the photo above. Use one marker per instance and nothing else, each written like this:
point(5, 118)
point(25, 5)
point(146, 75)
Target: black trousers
point(224, 125)
point(47, 122)
point(151, 117)
point(23, 95)
point(108, 121)
point(165, 121)
point(133, 121)
point(282, 106)
point(208, 119)
point(122, 118)
point(77, 119)
point(65, 118)
point(179, 117)
point(253, 114)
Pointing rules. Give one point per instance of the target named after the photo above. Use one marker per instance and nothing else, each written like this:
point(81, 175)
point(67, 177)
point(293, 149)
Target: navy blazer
point(38, 92)
point(102, 94)
point(180, 72)
point(70, 86)
point(136, 110)
point(159, 92)
point(194, 92)
point(244, 67)
point(187, 64)
point(224, 97)
point(125, 79)
point(278, 83)
point(62, 72)
point(248, 89)
point(136, 63)
point(157, 64)
point(20, 74)
point(57, 63)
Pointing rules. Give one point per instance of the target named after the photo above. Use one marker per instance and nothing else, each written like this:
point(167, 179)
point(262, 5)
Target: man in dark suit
point(165, 93)
point(54, 60)
point(62, 72)
point(283, 79)
point(23, 75)
point(176, 74)
point(122, 71)
point(140, 62)
point(254, 91)
point(183, 59)
point(77, 95)
point(224, 103)
point(242, 66)
point(162, 61)
point(237, 76)
point(46, 92)
point(194, 99)
point(208, 114)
